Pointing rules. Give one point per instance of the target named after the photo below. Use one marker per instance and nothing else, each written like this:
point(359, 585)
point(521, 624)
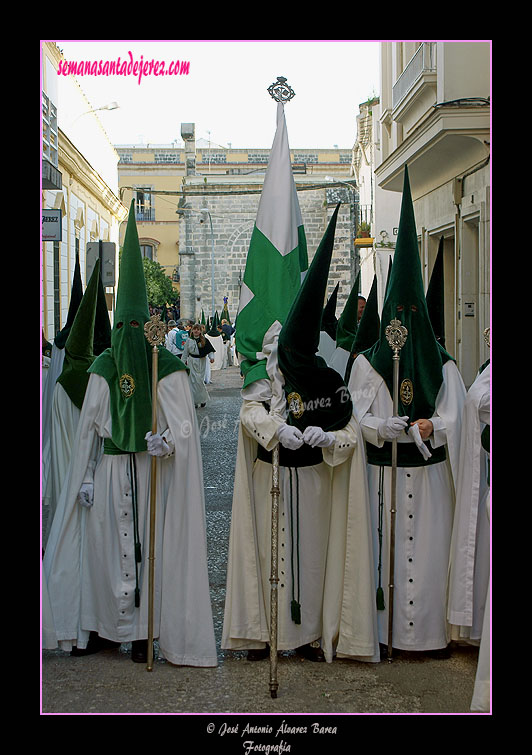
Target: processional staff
point(281, 92)
point(396, 335)
point(154, 330)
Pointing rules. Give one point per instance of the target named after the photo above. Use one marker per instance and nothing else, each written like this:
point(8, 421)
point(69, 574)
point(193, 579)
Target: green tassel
point(380, 599)
point(296, 612)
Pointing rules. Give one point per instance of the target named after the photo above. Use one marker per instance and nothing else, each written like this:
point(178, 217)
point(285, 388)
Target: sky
point(225, 90)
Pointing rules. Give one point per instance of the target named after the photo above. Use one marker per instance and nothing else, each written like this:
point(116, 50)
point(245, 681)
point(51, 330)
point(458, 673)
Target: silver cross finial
point(280, 90)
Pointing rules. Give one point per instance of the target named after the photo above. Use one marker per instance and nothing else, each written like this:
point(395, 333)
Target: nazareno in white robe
point(337, 593)
point(89, 563)
point(64, 421)
point(63, 426)
point(424, 518)
point(470, 551)
point(54, 371)
point(469, 599)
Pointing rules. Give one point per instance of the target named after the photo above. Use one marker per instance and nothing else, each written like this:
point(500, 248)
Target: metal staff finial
point(280, 90)
point(396, 335)
point(155, 330)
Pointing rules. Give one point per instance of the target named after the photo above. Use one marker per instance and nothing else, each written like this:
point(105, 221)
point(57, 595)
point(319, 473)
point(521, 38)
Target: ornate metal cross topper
point(396, 334)
point(155, 330)
point(280, 90)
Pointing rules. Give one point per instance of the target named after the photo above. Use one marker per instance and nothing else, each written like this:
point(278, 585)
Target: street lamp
point(110, 106)
point(350, 185)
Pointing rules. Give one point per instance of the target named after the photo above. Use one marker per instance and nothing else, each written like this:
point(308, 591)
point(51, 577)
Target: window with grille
point(144, 207)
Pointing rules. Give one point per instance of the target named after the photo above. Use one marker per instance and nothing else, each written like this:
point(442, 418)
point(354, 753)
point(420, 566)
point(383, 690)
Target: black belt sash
point(306, 456)
point(407, 455)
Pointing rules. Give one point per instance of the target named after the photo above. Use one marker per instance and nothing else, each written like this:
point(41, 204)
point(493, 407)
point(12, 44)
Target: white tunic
point(425, 504)
point(89, 563)
point(337, 602)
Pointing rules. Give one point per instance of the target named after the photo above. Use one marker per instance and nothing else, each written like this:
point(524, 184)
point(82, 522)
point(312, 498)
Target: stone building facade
point(435, 117)
point(215, 232)
point(197, 204)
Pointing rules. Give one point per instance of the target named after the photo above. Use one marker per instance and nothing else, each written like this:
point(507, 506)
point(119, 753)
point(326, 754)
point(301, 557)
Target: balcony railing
point(423, 61)
point(364, 214)
point(143, 213)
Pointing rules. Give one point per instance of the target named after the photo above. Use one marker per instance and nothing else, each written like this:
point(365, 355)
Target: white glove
point(316, 437)
point(157, 445)
point(86, 494)
point(416, 435)
point(290, 437)
point(392, 427)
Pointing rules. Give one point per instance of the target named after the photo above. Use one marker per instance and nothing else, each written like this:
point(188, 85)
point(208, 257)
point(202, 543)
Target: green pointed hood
point(421, 358)
point(225, 312)
point(435, 297)
point(127, 364)
point(214, 325)
point(315, 393)
point(329, 323)
point(369, 326)
point(76, 296)
point(79, 352)
point(348, 322)
point(390, 263)
point(102, 325)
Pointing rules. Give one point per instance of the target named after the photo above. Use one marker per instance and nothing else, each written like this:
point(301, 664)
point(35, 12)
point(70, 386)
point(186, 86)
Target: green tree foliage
point(158, 284)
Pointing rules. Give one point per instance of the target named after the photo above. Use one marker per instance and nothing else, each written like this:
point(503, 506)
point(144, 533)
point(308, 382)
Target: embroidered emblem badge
point(406, 391)
point(295, 404)
point(127, 385)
